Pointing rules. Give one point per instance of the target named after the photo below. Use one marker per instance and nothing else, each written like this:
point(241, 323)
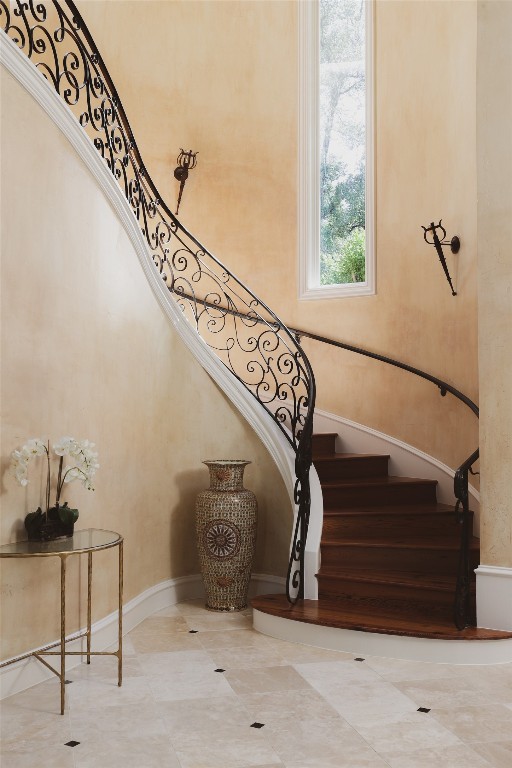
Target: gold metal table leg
point(62, 631)
point(120, 619)
point(89, 594)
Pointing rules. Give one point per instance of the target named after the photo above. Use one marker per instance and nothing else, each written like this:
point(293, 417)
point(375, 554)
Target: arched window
point(336, 198)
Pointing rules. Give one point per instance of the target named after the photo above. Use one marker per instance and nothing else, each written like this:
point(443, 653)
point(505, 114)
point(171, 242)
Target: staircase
point(389, 552)
point(388, 548)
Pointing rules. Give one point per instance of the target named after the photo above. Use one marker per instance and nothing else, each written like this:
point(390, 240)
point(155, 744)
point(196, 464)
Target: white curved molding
point(389, 646)
point(37, 86)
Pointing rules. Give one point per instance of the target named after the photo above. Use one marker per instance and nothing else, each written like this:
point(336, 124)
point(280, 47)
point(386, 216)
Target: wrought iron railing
point(251, 341)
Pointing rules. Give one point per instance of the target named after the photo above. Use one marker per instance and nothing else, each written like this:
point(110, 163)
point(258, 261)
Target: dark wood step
point(378, 491)
point(411, 591)
point(324, 443)
point(350, 465)
point(373, 522)
point(381, 554)
point(385, 620)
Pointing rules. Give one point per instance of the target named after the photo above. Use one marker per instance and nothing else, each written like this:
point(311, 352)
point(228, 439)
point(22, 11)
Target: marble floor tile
point(331, 675)
point(237, 747)
point(193, 683)
point(405, 732)
point(56, 757)
point(397, 670)
point(295, 653)
point(240, 657)
point(274, 704)
point(494, 683)
point(265, 679)
point(160, 625)
point(164, 642)
point(162, 664)
point(332, 743)
point(477, 723)
point(218, 621)
point(126, 752)
point(234, 638)
point(83, 693)
point(457, 756)
point(498, 753)
point(204, 715)
point(279, 708)
point(116, 722)
point(442, 693)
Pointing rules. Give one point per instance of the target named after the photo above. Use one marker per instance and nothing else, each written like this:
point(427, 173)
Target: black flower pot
point(58, 524)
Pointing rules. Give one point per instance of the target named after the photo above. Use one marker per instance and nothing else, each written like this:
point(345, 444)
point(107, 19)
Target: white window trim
point(309, 160)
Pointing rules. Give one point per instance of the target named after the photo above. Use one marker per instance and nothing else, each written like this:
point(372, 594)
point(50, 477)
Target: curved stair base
point(320, 623)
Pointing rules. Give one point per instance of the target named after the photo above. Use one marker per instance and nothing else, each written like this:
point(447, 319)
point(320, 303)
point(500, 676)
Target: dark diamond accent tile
point(71, 743)
point(257, 725)
point(193, 631)
point(423, 709)
point(220, 670)
point(358, 658)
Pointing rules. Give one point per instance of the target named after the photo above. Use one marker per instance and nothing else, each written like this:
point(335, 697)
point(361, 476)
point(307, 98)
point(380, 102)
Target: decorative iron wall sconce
point(186, 162)
point(454, 244)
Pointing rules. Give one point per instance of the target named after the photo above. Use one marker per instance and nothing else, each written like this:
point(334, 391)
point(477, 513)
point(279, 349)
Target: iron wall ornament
point(186, 162)
point(454, 244)
point(244, 333)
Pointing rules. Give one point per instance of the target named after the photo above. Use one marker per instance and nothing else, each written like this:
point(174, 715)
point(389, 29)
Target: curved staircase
point(389, 553)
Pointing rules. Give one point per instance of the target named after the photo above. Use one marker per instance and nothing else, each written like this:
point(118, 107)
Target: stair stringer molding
point(29, 77)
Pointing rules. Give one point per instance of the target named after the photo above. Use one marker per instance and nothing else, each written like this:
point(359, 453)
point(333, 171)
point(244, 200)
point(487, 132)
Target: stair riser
point(414, 560)
point(361, 495)
point(404, 599)
point(324, 445)
point(363, 466)
point(375, 526)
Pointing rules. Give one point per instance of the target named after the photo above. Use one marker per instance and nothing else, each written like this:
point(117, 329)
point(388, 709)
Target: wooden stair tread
point(393, 509)
point(375, 480)
point(383, 621)
point(393, 543)
point(416, 579)
point(325, 457)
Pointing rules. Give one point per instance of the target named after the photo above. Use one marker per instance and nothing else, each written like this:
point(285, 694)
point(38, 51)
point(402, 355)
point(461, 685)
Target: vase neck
point(226, 475)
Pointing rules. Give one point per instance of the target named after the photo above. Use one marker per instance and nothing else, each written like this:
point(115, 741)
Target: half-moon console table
point(88, 542)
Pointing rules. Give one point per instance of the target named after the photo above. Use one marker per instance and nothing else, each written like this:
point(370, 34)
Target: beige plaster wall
point(222, 78)
point(494, 127)
point(87, 351)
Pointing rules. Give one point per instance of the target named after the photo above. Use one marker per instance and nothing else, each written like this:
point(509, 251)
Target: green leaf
point(68, 515)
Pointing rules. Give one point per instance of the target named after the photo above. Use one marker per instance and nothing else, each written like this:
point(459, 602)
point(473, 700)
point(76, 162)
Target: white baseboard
point(23, 674)
point(494, 597)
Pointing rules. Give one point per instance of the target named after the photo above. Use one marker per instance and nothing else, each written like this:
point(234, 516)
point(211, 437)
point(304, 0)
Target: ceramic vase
point(226, 518)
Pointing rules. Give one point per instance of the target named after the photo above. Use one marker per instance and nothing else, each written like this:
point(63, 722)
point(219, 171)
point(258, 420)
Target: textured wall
point(87, 351)
point(494, 122)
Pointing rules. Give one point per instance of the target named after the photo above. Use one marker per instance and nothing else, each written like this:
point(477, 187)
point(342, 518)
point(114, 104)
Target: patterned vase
point(226, 534)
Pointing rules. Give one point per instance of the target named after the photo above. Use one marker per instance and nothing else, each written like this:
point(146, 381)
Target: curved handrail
point(240, 329)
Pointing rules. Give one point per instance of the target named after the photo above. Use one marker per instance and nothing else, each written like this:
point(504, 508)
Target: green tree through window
point(342, 141)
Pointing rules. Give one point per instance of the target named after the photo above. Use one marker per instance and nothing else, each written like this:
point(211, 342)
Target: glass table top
point(81, 541)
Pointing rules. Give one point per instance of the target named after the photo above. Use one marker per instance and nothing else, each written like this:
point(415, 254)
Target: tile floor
point(203, 690)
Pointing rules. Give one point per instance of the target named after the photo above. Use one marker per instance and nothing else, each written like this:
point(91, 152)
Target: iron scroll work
point(239, 328)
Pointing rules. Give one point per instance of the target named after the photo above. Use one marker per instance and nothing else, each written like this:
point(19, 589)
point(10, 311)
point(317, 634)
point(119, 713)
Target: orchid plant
point(83, 465)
